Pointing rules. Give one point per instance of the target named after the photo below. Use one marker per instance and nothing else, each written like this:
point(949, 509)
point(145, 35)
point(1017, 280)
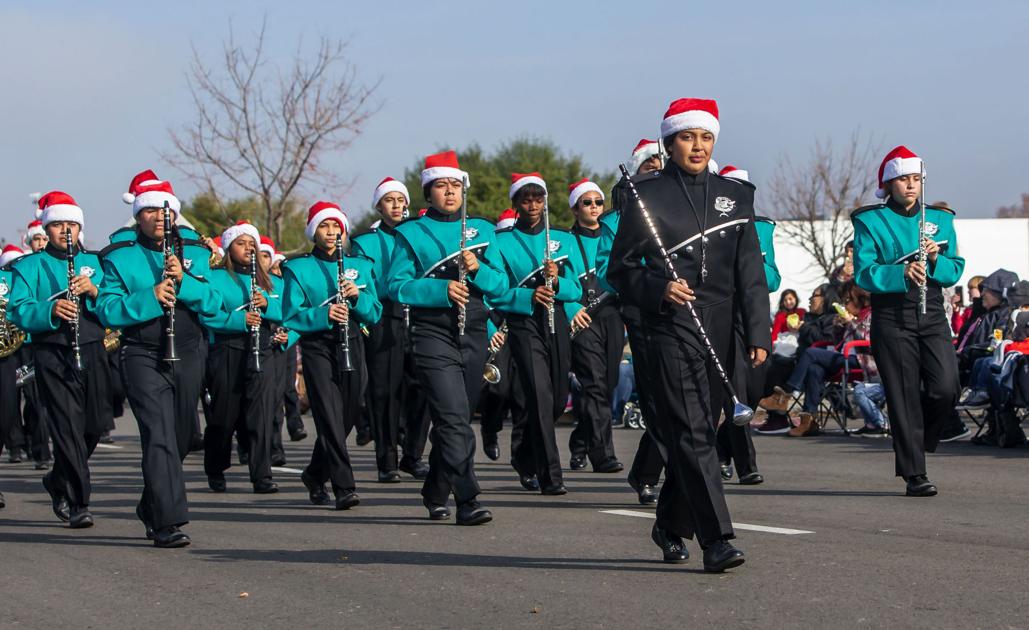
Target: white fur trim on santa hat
point(737, 173)
point(233, 232)
point(322, 215)
point(385, 188)
point(645, 152)
point(34, 230)
point(525, 181)
point(694, 119)
point(61, 212)
point(267, 249)
point(582, 189)
point(898, 167)
point(430, 175)
point(375, 224)
point(10, 253)
point(278, 258)
point(151, 199)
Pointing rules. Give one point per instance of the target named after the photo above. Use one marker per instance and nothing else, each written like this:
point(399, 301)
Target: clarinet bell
point(346, 363)
point(741, 414)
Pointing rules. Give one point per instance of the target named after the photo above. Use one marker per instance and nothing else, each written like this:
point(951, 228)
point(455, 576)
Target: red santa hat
point(325, 211)
point(10, 253)
point(147, 191)
point(59, 206)
point(267, 246)
point(387, 186)
point(440, 166)
point(735, 173)
point(35, 227)
point(899, 162)
point(422, 212)
point(644, 150)
point(507, 218)
point(242, 228)
point(521, 180)
point(690, 113)
point(217, 240)
point(580, 188)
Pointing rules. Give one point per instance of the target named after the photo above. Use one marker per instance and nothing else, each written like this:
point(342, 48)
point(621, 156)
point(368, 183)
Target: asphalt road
point(873, 558)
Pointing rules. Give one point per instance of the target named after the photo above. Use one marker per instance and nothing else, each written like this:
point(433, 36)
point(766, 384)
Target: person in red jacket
point(788, 305)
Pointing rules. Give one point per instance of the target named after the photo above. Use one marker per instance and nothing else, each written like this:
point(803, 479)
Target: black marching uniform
point(159, 392)
point(76, 401)
point(707, 224)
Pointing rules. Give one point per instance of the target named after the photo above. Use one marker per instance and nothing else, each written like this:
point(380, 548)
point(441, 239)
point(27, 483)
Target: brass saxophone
point(11, 337)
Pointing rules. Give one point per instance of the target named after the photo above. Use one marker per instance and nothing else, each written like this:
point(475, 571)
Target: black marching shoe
point(278, 459)
point(414, 467)
point(149, 531)
point(490, 446)
point(347, 500)
point(471, 513)
point(196, 445)
point(672, 546)
point(578, 462)
point(646, 495)
point(42, 464)
point(529, 482)
point(555, 490)
point(58, 503)
point(920, 486)
point(3, 502)
point(721, 555)
point(80, 518)
point(726, 470)
point(105, 438)
point(170, 538)
point(364, 437)
point(265, 486)
point(298, 435)
point(244, 457)
point(389, 476)
point(316, 492)
point(610, 466)
point(16, 455)
point(751, 479)
point(437, 512)
point(216, 483)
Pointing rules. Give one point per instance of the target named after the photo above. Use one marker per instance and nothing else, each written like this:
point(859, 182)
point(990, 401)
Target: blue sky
point(91, 89)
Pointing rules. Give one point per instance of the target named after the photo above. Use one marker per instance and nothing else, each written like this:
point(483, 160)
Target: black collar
point(523, 227)
point(585, 231)
point(149, 243)
point(388, 229)
point(892, 204)
point(321, 254)
point(688, 178)
point(439, 215)
point(60, 253)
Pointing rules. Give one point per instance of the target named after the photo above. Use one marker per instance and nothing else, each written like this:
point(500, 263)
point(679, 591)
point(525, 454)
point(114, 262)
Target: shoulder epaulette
point(560, 229)
point(365, 232)
point(606, 213)
point(361, 257)
point(486, 219)
point(764, 219)
point(194, 242)
point(940, 208)
point(113, 246)
point(296, 257)
point(645, 177)
point(413, 217)
point(509, 228)
point(7, 267)
point(741, 182)
point(871, 206)
point(21, 259)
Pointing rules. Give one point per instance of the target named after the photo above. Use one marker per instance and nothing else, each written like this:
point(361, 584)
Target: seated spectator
point(979, 334)
point(973, 309)
point(789, 304)
point(870, 396)
point(815, 365)
point(845, 272)
point(982, 372)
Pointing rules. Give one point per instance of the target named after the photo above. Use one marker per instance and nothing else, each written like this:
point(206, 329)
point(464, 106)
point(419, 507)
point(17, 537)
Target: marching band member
point(327, 312)
point(143, 291)
point(241, 375)
point(645, 472)
point(541, 353)
point(425, 274)
point(12, 431)
point(599, 338)
point(36, 237)
point(707, 221)
point(72, 374)
point(283, 345)
point(913, 350)
point(389, 362)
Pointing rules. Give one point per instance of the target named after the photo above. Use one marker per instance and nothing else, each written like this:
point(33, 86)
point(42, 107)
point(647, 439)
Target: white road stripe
point(283, 469)
point(111, 447)
point(754, 528)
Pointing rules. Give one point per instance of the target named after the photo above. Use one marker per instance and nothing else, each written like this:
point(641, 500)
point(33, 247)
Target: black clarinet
point(76, 351)
point(170, 354)
point(342, 328)
point(255, 331)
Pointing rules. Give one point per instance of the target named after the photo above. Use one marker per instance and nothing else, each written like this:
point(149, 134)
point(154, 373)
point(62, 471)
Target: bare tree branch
point(262, 130)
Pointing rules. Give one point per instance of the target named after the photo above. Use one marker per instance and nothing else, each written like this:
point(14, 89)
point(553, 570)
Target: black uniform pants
point(414, 427)
point(335, 404)
point(919, 372)
point(543, 360)
point(11, 433)
point(290, 399)
point(450, 369)
point(648, 463)
point(240, 397)
point(117, 384)
point(164, 432)
point(596, 355)
point(691, 500)
point(78, 408)
point(502, 400)
point(734, 442)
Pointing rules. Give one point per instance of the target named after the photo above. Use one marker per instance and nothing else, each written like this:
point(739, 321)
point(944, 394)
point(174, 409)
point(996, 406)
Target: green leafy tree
point(490, 175)
point(211, 217)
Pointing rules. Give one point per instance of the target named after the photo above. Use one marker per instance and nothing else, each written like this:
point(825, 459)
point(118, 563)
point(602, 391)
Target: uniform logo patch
point(471, 232)
point(931, 229)
point(554, 246)
point(187, 263)
point(3, 289)
point(350, 274)
point(86, 270)
point(724, 206)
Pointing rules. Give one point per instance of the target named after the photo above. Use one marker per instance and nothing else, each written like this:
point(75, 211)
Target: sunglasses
point(587, 203)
